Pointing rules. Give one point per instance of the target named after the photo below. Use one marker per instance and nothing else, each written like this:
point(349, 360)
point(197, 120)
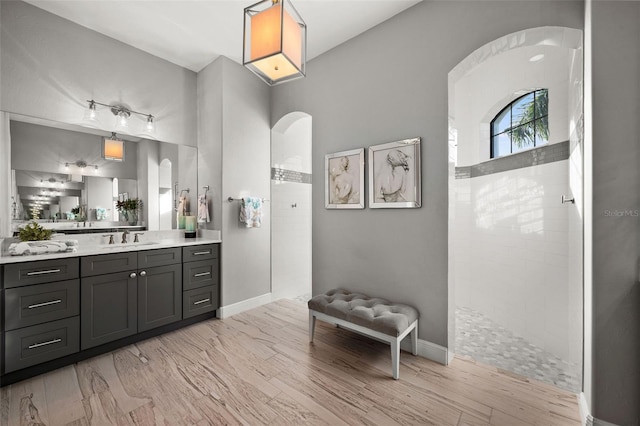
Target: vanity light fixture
point(112, 148)
point(275, 41)
point(81, 164)
point(122, 114)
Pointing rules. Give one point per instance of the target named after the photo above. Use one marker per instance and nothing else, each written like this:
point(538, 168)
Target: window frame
point(493, 136)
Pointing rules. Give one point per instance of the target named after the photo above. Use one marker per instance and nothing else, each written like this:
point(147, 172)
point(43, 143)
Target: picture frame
point(395, 174)
point(344, 180)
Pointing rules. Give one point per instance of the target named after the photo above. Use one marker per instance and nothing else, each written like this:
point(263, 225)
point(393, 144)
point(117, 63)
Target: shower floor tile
point(486, 341)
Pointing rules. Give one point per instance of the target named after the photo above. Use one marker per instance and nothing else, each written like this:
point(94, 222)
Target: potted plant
point(34, 232)
point(129, 209)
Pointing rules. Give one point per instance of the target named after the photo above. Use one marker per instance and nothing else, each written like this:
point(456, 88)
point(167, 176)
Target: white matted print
point(344, 180)
point(394, 174)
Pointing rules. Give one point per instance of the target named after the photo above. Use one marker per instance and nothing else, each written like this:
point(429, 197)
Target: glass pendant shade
point(275, 38)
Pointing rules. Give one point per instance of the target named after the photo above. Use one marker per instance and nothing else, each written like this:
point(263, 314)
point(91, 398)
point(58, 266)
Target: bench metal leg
point(312, 326)
point(395, 358)
point(414, 340)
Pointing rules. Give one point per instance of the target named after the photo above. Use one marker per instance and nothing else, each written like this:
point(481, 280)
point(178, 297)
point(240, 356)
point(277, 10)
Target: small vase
point(131, 216)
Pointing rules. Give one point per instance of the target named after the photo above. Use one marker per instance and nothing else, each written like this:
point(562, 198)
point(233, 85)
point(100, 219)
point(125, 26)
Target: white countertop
point(92, 244)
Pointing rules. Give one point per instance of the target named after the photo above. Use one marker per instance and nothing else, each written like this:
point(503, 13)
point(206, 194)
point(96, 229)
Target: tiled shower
point(516, 256)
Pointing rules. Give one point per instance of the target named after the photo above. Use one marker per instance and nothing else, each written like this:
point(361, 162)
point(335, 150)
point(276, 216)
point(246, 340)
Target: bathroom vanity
point(62, 308)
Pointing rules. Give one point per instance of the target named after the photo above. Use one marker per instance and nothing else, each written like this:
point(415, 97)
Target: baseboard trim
point(585, 416)
point(428, 350)
point(245, 305)
point(583, 405)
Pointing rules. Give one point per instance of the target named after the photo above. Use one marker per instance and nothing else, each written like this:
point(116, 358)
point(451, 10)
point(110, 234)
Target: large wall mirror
point(61, 178)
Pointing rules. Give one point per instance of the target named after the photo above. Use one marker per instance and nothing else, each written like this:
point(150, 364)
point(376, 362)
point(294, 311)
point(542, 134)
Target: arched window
point(521, 125)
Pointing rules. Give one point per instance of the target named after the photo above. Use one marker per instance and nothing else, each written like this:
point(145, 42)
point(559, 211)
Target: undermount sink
point(123, 245)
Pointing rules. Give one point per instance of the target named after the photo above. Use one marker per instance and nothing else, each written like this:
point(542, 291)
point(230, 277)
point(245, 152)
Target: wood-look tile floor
point(258, 368)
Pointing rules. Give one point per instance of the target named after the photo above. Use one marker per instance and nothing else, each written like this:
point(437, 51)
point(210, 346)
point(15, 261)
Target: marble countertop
point(92, 244)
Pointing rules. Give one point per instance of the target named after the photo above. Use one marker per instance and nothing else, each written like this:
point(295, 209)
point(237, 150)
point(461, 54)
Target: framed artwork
point(344, 180)
point(394, 174)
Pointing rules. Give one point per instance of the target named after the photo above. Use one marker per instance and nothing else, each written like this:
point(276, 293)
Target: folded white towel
point(251, 212)
point(27, 248)
point(203, 209)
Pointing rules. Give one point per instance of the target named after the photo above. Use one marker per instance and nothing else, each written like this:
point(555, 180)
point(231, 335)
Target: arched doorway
point(515, 248)
point(291, 207)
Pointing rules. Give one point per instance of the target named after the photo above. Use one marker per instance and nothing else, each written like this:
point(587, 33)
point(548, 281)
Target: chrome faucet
point(124, 236)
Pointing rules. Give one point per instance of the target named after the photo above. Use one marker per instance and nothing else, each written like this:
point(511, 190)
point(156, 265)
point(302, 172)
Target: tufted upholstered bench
point(374, 317)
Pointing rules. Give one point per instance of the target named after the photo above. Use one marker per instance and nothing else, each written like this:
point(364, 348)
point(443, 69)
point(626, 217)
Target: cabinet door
point(159, 296)
point(108, 308)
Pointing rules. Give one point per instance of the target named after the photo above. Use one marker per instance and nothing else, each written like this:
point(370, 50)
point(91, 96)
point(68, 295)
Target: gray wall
point(234, 137)
point(51, 66)
point(615, 50)
point(388, 84)
point(210, 138)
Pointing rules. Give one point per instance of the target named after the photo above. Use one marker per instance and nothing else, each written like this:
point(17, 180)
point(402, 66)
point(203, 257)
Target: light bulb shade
point(275, 41)
point(112, 149)
point(150, 124)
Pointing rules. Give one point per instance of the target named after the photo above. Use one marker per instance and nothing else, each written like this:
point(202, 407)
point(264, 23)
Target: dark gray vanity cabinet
point(137, 296)
point(40, 306)
point(109, 298)
point(200, 279)
point(56, 312)
point(159, 288)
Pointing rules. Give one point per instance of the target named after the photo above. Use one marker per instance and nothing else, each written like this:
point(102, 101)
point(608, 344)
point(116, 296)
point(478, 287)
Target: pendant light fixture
point(275, 41)
point(113, 148)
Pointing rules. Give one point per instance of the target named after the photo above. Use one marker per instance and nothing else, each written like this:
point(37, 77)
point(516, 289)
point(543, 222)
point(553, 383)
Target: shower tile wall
point(291, 211)
point(512, 252)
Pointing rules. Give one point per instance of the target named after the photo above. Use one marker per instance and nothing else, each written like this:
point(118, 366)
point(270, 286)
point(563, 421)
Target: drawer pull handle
point(200, 253)
point(40, 305)
point(201, 301)
point(133, 275)
point(143, 273)
point(202, 274)
point(50, 271)
point(50, 342)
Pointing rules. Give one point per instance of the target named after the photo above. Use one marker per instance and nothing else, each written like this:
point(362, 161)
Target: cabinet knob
point(143, 273)
point(132, 275)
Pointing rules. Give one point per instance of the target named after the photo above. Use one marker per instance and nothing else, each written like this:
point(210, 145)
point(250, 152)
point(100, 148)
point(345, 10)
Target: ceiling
point(192, 33)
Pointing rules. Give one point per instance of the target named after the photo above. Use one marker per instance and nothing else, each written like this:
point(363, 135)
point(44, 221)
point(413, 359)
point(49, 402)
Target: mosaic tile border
point(290, 176)
point(534, 157)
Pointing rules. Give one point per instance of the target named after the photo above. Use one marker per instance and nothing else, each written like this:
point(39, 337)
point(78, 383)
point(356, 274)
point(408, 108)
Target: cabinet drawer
point(199, 301)
point(40, 343)
point(205, 251)
point(31, 305)
point(108, 263)
point(199, 274)
point(161, 257)
point(41, 271)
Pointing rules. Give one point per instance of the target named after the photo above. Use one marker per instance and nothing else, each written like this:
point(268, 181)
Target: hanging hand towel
point(203, 208)
point(183, 206)
point(251, 212)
